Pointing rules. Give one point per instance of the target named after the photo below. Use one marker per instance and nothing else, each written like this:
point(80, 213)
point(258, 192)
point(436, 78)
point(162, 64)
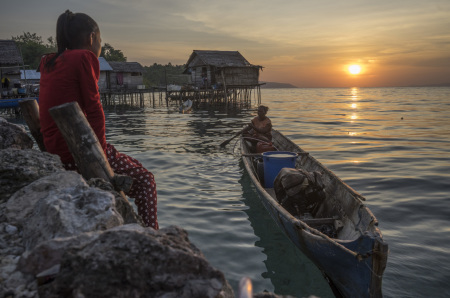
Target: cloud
point(294, 36)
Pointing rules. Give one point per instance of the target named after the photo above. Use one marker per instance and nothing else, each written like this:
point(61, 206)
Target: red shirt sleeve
point(90, 97)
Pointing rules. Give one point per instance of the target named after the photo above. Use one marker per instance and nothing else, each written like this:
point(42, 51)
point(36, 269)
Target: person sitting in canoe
point(259, 131)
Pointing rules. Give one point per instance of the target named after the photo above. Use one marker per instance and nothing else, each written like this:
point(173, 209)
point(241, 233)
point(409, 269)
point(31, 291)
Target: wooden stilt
point(224, 89)
point(30, 111)
point(84, 145)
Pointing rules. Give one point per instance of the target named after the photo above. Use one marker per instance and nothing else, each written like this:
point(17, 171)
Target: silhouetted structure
point(10, 64)
point(219, 77)
point(215, 68)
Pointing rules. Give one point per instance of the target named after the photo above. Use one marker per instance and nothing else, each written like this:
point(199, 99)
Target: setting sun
point(354, 69)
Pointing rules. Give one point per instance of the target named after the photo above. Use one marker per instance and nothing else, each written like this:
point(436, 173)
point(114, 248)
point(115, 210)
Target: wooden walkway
point(234, 97)
point(132, 97)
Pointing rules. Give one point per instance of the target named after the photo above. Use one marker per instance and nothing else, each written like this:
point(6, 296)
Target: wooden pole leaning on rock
point(30, 112)
point(85, 146)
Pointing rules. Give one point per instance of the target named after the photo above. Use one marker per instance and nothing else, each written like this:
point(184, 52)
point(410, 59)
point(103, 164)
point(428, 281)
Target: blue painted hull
point(11, 102)
point(353, 262)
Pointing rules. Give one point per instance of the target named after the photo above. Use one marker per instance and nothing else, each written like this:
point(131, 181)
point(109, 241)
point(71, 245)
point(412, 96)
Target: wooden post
point(30, 112)
point(85, 146)
point(153, 97)
point(224, 89)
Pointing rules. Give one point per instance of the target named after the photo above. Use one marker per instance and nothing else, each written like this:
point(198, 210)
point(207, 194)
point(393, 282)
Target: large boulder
point(14, 136)
point(61, 205)
point(19, 168)
point(123, 206)
point(125, 261)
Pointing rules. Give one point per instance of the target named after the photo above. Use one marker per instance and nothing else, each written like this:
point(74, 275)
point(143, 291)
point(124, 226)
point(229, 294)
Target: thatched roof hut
point(10, 63)
point(9, 54)
point(126, 67)
point(217, 58)
point(128, 75)
point(218, 67)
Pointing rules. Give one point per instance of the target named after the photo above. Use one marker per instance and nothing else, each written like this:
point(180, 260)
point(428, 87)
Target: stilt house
point(218, 68)
point(104, 81)
point(126, 75)
point(10, 61)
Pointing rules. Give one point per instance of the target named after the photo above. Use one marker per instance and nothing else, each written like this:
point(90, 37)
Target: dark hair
point(264, 108)
point(72, 31)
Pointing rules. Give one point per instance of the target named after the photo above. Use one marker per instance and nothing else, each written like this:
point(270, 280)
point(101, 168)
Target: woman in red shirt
point(72, 75)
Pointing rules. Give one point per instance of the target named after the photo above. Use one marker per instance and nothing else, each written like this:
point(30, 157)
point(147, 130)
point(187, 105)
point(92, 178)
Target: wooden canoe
point(354, 258)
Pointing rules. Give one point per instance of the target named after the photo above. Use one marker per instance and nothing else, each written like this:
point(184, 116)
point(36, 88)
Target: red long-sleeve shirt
point(74, 77)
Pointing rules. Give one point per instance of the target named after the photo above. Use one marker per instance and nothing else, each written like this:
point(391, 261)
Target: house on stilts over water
point(14, 82)
point(11, 63)
point(122, 83)
point(219, 77)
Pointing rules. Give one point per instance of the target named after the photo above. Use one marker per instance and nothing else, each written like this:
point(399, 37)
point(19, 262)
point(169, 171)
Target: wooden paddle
point(224, 143)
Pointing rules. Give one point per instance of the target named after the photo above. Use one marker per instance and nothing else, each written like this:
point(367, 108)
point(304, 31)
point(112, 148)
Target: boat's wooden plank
point(318, 221)
point(261, 154)
point(271, 192)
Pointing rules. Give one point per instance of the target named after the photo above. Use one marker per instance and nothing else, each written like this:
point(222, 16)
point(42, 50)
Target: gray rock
point(19, 168)
point(49, 253)
point(127, 261)
point(21, 204)
point(10, 229)
point(14, 136)
point(69, 210)
point(14, 283)
point(123, 206)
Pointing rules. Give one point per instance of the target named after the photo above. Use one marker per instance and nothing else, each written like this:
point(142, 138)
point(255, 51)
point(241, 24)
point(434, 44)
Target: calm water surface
point(390, 144)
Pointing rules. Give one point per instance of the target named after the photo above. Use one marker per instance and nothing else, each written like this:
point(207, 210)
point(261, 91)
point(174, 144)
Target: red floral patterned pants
point(143, 189)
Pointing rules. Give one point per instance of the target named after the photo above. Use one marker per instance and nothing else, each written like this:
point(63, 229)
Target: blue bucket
point(274, 161)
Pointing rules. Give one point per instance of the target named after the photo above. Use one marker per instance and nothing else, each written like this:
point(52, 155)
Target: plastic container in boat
point(274, 161)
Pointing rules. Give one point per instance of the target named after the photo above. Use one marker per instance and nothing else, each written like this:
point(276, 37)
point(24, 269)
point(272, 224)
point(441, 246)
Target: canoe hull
point(10, 103)
point(354, 267)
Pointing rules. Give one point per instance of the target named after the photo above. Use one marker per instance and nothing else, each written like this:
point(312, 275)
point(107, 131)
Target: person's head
point(262, 111)
point(76, 31)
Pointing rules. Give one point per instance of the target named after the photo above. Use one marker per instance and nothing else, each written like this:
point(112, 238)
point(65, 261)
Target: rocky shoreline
point(62, 236)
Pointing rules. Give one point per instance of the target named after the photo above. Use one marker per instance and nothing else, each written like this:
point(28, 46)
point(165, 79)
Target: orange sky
point(305, 43)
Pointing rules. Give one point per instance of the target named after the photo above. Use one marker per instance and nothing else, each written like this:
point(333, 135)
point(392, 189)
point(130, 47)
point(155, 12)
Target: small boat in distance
point(339, 234)
point(8, 103)
point(186, 106)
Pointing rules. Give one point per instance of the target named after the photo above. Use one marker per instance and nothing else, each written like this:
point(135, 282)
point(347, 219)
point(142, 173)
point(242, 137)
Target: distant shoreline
point(276, 85)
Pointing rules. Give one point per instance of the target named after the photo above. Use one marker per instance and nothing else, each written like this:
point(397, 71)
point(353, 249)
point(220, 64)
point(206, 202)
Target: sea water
point(392, 145)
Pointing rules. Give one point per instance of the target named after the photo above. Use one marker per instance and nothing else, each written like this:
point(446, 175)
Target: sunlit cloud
point(305, 43)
